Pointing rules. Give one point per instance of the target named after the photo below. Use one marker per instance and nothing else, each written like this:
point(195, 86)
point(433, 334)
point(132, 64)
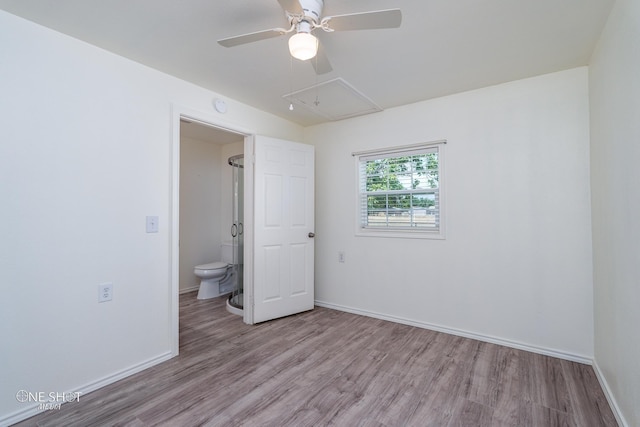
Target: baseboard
point(189, 289)
point(458, 332)
point(609, 395)
point(32, 410)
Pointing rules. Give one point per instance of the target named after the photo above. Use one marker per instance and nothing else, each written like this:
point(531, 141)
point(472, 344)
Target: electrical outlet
point(341, 257)
point(105, 292)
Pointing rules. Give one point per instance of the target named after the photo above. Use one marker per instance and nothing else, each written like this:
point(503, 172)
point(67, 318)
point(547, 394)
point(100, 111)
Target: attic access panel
point(334, 99)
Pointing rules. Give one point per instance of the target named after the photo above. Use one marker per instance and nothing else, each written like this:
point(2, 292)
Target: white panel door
point(284, 227)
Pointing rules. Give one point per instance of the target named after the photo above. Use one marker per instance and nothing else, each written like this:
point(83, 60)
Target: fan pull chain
point(317, 101)
point(290, 80)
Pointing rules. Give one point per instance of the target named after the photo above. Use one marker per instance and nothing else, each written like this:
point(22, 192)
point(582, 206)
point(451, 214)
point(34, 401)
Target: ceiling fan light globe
point(303, 46)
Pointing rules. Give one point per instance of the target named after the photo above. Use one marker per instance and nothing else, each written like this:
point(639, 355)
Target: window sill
point(400, 234)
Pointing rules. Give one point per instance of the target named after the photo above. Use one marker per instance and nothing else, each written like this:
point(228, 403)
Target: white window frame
point(399, 151)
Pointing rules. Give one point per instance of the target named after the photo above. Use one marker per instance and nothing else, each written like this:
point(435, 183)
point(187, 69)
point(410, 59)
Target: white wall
point(84, 157)
point(200, 207)
point(615, 156)
point(516, 263)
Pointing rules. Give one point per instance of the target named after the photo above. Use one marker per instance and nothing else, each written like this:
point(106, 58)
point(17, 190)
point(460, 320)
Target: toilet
point(216, 278)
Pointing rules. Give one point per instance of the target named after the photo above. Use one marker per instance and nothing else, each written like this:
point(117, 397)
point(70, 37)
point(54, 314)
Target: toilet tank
point(226, 250)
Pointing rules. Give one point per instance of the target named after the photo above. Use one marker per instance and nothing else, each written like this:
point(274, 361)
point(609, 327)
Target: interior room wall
point(200, 207)
point(85, 156)
point(615, 156)
point(516, 265)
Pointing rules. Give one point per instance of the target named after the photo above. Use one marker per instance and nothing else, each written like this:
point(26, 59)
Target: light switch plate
point(152, 224)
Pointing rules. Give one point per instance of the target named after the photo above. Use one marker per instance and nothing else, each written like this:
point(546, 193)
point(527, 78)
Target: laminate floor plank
point(589, 407)
point(546, 382)
point(331, 368)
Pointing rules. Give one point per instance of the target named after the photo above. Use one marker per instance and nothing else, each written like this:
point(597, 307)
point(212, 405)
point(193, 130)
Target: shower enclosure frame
point(235, 301)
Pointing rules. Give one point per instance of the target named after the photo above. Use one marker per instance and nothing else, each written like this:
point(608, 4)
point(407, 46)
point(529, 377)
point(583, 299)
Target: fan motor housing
point(312, 9)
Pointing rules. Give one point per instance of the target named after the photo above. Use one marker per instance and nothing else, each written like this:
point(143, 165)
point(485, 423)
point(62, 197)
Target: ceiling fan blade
point(251, 37)
point(320, 62)
point(292, 6)
point(378, 19)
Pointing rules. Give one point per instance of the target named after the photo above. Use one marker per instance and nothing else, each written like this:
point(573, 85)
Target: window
point(400, 191)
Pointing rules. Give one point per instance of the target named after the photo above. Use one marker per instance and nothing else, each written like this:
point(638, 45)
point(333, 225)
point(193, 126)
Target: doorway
point(206, 197)
point(278, 227)
point(201, 194)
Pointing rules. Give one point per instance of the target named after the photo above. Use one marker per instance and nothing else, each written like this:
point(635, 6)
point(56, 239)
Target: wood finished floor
point(327, 367)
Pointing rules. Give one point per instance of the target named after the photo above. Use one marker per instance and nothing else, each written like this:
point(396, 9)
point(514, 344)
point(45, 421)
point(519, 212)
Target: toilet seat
point(212, 266)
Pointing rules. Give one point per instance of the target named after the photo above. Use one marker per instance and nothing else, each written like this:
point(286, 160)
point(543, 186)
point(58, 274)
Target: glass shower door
point(237, 230)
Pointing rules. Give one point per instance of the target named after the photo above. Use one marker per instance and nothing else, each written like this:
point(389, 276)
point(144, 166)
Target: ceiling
point(442, 46)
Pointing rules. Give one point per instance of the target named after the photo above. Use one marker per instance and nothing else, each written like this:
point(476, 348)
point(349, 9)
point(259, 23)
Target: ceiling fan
point(304, 17)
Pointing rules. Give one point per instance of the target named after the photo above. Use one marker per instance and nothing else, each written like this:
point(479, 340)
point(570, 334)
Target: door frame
point(207, 119)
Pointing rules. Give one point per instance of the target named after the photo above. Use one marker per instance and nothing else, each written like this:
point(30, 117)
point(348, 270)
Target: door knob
point(312, 235)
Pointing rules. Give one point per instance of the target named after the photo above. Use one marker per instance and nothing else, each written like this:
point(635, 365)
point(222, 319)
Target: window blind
point(400, 189)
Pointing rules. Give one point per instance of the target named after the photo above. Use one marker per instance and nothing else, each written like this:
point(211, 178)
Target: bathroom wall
point(205, 203)
point(200, 207)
